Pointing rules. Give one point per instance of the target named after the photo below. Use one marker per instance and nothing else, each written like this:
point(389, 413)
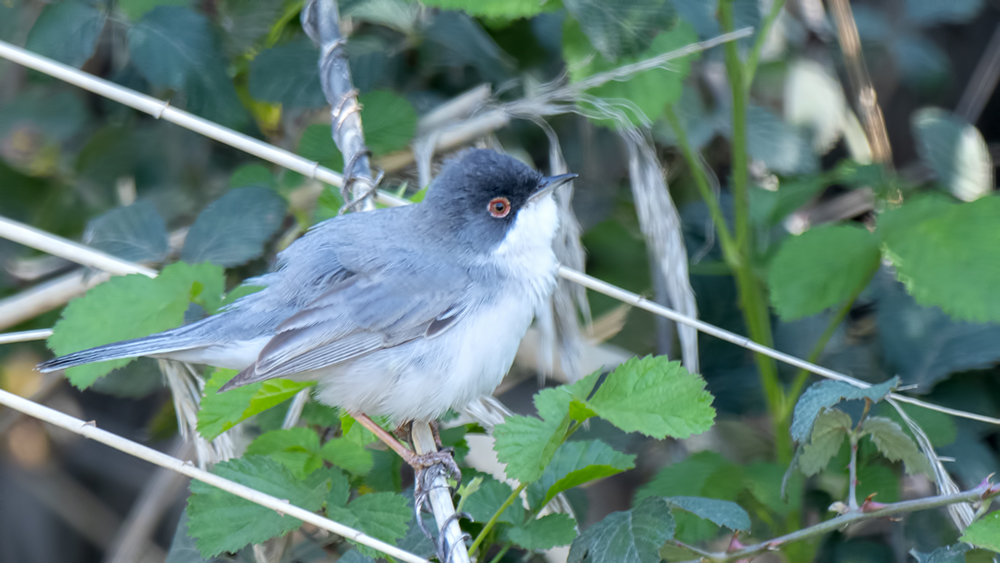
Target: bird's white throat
point(526, 251)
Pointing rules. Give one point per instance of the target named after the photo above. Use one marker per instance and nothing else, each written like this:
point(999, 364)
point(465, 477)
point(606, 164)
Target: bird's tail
point(162, 343)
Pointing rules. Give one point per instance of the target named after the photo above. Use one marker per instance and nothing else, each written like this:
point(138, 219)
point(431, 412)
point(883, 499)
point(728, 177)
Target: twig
point(982, 83)
point(979, 493)
point(25, 336)
point(46, 296)
point(861, 83)
point(89, 430)
point(156, 497)
point(515, 495)
point(439, 496)
point(58, 246)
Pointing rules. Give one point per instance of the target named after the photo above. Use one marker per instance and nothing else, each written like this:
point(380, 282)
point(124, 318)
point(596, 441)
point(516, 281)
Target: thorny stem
point(752, 301)
point(753, 57)
point(982, 492)
point(492, 521)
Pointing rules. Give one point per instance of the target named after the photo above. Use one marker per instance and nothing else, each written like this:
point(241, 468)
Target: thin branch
point(861, 82)
point(91, 431)
point(516, 495)
point(979, 493)
point(25, 336)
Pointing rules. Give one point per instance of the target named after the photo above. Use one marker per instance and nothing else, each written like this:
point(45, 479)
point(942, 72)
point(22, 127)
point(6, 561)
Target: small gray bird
point(404, 312)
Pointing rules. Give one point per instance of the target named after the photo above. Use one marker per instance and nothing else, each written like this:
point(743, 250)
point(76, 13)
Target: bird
point(402, 312)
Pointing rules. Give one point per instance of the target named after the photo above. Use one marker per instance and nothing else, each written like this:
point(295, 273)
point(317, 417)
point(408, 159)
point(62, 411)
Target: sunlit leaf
point(526, 444)
point(576, 463)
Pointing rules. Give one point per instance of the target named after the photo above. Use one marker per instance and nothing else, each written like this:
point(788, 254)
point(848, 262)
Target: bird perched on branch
point(404, 312)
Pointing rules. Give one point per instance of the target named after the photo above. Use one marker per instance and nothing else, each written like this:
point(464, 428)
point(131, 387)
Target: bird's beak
point(548, 184)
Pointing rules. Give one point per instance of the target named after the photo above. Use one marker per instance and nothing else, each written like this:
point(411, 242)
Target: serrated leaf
point(384, 516)
point(527, 444)
point(948, 554)
point(720, 512)
point(821, 268)
point(632, 536)
point(956, 152)
point(511, 9)
point(174, 47)
point(984, 533)
point(624, 27)
point(484, 502)
point(543, 533)
point(894, 444)
point(67, 32)
point(128, 307)
point(650, 90)
point(656, 397)
point(828, 433)
point(947, 254)
point(221, 411)
point(295, 448)
point(826, 394)
point(287, 75)
point(135, 233)
point(576, 463)
point(389, 121)
point(233, 229)
point(348, 455)
point(221, 521)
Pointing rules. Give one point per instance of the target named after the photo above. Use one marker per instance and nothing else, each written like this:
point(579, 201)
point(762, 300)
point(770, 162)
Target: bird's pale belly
point(421, 380)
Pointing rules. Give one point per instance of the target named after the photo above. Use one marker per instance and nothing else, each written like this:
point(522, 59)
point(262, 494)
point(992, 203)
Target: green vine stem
point(492, 521)
point(753, 57)
point(752, 300)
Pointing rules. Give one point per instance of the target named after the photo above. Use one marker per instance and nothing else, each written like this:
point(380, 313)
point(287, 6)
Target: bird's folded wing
point(360, 314)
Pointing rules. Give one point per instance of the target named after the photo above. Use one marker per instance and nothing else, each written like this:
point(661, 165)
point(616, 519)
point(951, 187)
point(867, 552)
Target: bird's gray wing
point(363, 312)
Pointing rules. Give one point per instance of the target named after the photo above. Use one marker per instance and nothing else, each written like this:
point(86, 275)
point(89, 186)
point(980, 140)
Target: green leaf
point(384, 516)
point(233, 229)
point(483, 503)
point(135, 9)
point(221, 521)
point(632, 536)
point(128, 307)
point(317, 144)
point(948, 554)
point(221, 411)
point(67, 32)
point(546, 532)
point(828, 433)
point(134, 232)
point(719, 512)
point(821, 268)
point(182, 548)
point(576, 463)
point(984, 533)
point(894, 444)
point(650, 90)
point(624, 27)
point(527, 444)
point(389, 121)
point(768, 208)
point(825, 394)
point(287, 75)
point(656, 397)
point(296, 448)
point(350, 456)
point(511, 9)
point(253, 175)
point(947, 254)
point(956, 152)
point(174, 47)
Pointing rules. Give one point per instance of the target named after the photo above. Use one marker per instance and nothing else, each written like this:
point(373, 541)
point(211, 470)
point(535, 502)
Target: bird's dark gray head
point(481, 194)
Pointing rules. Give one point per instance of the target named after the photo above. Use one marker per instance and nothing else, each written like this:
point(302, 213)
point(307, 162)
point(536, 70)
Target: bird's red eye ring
point(499, 207)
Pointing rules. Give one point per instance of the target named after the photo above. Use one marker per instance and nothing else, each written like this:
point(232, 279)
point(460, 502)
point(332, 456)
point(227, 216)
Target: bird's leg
point(417, 462)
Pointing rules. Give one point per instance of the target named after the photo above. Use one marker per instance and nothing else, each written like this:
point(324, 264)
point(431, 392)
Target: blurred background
point(86, 168)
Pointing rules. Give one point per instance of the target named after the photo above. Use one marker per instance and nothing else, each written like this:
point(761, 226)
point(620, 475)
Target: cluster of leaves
point(927, 265)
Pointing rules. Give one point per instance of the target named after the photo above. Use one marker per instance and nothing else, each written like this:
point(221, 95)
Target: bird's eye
point(499, 207)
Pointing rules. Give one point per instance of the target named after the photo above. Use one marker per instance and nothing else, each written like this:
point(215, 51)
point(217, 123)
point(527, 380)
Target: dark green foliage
point(233, 229)
point(67, 32)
